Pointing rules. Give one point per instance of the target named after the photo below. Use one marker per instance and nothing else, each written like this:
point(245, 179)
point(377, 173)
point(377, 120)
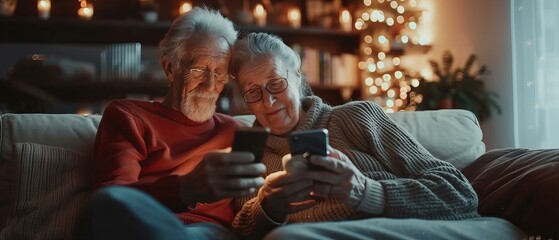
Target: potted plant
point(460, 88)
point(148, 9)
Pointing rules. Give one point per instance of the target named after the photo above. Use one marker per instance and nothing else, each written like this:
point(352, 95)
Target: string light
point(387, 83)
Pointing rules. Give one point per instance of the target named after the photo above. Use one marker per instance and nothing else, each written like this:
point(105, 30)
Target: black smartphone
point(314, 141)
point(250, 139)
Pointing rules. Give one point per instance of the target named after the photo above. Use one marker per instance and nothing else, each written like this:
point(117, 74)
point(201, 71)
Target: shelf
point(74, 91)
point(63, 30)
point(69, 30)
point(32, 30)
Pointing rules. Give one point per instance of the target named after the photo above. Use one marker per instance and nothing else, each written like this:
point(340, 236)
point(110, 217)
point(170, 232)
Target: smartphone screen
point(313, 141)
point(251, 139)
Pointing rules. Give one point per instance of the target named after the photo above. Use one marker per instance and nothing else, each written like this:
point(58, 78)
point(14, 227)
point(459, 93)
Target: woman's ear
point(167, 67)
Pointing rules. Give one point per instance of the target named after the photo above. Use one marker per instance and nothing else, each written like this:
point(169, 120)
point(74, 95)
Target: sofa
point(45, 169)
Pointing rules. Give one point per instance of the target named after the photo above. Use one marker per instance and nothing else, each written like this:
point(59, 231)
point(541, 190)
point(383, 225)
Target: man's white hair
point(199, 21)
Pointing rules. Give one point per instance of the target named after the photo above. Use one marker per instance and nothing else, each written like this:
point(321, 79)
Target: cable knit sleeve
point(415, 183)
point(251, 222)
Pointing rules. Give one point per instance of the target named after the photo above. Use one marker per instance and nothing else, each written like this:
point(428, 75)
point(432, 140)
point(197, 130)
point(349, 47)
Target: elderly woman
point(375, 172)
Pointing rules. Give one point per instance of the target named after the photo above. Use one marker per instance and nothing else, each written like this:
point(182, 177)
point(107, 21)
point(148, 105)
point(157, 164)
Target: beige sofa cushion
point(452, 135)
point(51, 188)
point(70, 131)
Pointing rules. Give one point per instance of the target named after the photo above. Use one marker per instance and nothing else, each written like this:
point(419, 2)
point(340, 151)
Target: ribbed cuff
point(263, 223)
point(373, 199)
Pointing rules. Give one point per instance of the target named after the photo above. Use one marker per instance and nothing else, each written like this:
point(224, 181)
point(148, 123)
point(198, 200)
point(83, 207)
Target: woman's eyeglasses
point(273, 87)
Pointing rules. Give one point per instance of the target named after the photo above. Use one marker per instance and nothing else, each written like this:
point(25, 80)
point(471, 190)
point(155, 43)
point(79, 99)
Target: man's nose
point(209, 81)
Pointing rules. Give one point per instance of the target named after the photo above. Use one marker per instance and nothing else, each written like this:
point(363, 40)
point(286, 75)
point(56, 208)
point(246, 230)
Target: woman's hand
point(222, 175)
point(338, 178)
point(285, 193)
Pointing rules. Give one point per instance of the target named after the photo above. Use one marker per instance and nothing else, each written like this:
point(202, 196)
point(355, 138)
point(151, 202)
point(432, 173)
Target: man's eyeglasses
point(273, 87)
point(200, 75)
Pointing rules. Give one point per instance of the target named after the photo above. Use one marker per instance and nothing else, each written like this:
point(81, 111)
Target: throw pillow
point(52, 186)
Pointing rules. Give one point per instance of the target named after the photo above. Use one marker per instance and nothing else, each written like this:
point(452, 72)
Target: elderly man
point(173, 185)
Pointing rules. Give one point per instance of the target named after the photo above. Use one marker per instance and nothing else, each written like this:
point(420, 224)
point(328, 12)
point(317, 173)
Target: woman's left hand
point(338, 178)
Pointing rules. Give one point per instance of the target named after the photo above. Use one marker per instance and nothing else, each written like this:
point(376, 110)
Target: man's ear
point(167, 67)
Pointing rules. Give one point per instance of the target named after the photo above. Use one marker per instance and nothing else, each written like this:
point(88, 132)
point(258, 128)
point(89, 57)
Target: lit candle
point(86, 11)
point(43, 9)
point(345, 20)
point(260, 15)
point(185, 7)
point(294, 17)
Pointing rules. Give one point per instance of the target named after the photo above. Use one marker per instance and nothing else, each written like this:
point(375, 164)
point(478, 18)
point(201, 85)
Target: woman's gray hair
point(257, 44)
point(198, 21)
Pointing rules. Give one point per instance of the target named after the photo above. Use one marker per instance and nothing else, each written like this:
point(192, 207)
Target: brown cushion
point(519, 185)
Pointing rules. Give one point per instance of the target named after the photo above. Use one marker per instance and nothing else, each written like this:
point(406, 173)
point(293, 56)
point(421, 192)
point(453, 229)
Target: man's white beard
point(199, 111)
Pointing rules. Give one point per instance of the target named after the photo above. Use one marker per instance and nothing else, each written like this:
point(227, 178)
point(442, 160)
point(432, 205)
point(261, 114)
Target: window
point(535, 41)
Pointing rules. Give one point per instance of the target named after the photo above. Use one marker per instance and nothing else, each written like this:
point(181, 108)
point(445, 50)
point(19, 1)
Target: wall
point(483, 28)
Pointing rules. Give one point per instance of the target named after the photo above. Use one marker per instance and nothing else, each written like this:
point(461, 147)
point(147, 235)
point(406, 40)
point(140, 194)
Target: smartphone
point(251, 139)
point(314, 141)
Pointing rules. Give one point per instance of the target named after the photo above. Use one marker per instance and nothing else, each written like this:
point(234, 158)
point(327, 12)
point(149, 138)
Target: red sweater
point(146, 145)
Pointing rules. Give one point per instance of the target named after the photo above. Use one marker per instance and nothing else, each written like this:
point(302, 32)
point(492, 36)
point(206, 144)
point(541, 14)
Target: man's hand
point(222, 175)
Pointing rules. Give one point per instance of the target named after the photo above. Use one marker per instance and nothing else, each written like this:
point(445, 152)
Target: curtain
point(535, 42)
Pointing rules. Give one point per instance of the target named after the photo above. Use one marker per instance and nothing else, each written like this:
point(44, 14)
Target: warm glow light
point(362, 65)
point(380, 64)
point(185, 7)
point(43, 9)
point(367, 2)
point(382, 39)
point(369, 81)
point(391, 93)
point(390, 21)
point(373, 90)
point(368, 51)
point(384, 86)
point(390, 103)
point(396, 61)
point(398, 74)
point(386, 77)
point(85, 12)
point(405, 39)
point(359, 24)
point(260, 15)
point(365, 16)
point(368, 39)
point(381, 55)
point(372, 68)
point(294, 17)
point(345, 20)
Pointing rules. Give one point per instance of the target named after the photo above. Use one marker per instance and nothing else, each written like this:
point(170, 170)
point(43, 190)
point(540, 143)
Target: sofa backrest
point(450, 135)
point(60, 130)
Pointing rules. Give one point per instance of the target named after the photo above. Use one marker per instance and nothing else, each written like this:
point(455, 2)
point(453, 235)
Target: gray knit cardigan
point(415, 184)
